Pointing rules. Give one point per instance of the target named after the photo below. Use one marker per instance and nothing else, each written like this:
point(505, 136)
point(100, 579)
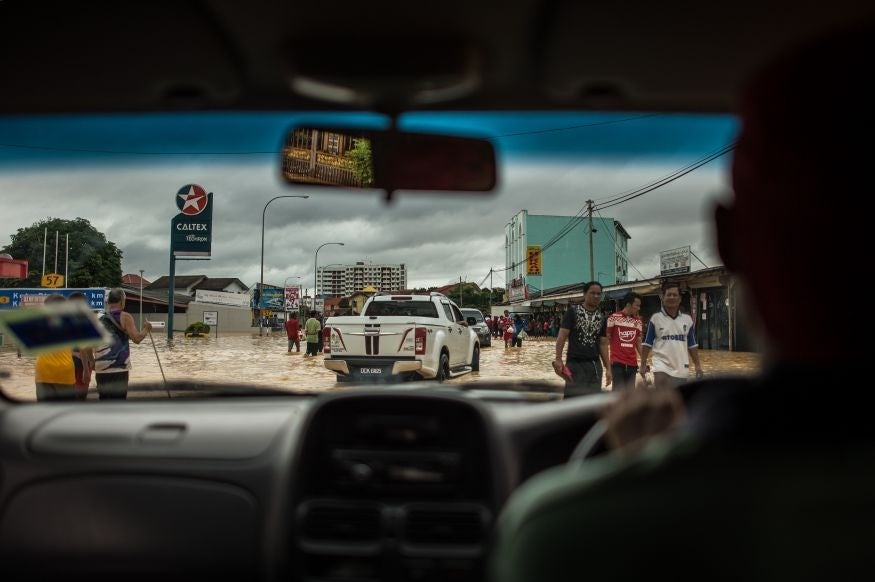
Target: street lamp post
point(141, 297)
point(316, 271)
point(261, 277)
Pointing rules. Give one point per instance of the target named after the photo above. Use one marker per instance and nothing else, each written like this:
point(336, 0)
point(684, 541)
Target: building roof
point(132, 279)
point(619, 227)
point(197, 282)
point(219, 283)
point(179, 281)
point(157, 297)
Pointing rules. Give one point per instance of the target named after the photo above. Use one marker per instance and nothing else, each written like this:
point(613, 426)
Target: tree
point(363, 161)
point(94, 260)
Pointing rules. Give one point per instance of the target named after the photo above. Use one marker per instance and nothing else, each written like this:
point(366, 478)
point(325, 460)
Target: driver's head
point(800, 176)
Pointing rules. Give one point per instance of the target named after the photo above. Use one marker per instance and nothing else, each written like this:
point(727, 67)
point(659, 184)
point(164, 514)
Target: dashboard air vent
point(446, 525)
point(341, 522)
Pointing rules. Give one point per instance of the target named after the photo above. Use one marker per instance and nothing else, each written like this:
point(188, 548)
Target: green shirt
point(311, 330)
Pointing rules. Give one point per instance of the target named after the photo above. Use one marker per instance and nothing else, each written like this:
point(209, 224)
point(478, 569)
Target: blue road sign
point(15, 298)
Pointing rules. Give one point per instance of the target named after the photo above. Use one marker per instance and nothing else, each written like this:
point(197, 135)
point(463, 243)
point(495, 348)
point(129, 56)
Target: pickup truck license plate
point(371, 371)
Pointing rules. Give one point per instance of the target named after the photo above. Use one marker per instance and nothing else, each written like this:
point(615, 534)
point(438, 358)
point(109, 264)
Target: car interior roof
point(510, 54)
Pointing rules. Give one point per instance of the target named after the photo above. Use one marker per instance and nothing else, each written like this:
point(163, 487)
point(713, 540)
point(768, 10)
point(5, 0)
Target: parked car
point(478, 323)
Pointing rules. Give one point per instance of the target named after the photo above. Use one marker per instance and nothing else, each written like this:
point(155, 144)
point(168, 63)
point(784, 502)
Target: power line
point(665, 181)
point(700, 260)
point(616, 246)
point(582, 126)
point(614, 197)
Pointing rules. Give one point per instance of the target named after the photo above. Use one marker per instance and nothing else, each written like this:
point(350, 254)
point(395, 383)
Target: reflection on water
point(264, 361)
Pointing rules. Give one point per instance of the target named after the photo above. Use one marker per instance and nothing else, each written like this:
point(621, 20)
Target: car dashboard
point(389, 484)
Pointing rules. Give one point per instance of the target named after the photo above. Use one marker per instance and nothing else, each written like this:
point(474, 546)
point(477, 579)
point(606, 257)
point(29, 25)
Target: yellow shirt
point(55, 368)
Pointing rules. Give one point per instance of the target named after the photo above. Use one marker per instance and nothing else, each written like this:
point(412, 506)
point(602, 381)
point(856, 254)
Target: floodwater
point(264, 361)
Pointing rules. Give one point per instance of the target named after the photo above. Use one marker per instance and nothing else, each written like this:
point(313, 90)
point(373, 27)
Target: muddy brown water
point(264, 361)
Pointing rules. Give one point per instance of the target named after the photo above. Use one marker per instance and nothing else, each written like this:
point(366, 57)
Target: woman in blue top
point(113, 361)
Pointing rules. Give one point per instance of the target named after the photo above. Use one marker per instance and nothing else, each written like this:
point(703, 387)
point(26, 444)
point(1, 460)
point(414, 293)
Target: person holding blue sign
point(83, 359)
point(54, 373)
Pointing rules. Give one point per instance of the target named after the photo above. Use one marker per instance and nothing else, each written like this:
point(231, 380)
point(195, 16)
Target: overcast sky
point(123, 173)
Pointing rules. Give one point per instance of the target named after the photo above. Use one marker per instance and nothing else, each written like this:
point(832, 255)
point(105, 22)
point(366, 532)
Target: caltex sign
point(191, 231)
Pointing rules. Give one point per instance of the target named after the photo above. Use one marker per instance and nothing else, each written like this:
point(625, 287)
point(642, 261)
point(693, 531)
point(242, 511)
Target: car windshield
point(402, 308)
point(93, 203)
point(473, 313)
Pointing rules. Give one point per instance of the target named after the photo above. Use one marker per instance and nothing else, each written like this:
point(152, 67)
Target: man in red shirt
point(292, 326)
point(625, 329)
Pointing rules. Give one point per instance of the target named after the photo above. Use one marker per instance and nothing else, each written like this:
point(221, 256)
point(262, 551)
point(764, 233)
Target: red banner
point(12, 269)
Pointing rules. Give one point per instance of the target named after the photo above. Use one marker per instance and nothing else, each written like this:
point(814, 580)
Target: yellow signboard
point(533, 263)
point(53, 280)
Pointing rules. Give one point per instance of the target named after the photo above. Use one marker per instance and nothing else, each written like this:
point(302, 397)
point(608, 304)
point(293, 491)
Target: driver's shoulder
point(595, 480)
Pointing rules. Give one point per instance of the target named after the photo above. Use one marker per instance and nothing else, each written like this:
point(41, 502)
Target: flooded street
point(264, 361)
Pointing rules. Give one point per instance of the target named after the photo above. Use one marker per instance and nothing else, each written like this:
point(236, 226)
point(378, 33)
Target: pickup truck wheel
point(475, 359)
point(443, 372)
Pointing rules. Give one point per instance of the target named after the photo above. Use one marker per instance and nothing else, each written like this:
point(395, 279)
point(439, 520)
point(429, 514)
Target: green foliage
point(363, 161)
point(476, 298)
point(198, 327)
point(94, 260)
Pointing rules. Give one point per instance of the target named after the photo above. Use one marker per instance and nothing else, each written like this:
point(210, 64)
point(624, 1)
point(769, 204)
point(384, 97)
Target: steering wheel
point(592, 444)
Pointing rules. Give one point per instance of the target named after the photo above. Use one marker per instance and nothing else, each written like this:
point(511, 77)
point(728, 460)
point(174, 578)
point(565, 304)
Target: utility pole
point(490, 291)
point(589, 204)
point(141, 299)
point(460, 291)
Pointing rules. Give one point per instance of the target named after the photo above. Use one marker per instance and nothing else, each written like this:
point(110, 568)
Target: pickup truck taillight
point(326, 340)
point(419, 341)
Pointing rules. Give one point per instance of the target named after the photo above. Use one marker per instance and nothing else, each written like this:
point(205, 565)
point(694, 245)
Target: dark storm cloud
point(438, 237)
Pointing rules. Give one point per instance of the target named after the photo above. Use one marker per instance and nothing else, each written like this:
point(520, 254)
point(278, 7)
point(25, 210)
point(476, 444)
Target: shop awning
point(614, 294)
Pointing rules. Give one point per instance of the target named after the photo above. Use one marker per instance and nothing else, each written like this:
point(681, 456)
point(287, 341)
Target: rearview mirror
point(387, 160)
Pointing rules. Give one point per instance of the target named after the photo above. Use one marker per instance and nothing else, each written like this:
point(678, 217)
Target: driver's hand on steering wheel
point(638, 415)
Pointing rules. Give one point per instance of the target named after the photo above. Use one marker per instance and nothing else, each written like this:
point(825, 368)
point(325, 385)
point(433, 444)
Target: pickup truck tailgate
point(391, 337)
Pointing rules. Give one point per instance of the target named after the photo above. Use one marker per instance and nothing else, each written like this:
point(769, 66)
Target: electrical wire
point(573, 127)
point(665, 181)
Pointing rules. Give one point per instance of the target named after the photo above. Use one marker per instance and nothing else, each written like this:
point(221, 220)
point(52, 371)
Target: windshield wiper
point(177, 390)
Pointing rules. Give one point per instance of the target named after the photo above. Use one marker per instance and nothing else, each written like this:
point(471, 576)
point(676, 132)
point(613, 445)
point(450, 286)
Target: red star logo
point(192, 199)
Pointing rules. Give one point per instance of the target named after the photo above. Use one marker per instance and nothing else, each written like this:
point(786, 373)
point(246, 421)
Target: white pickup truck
point(401, 336)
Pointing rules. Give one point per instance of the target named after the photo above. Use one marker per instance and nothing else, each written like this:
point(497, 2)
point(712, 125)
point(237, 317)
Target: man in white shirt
point(671, 338)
